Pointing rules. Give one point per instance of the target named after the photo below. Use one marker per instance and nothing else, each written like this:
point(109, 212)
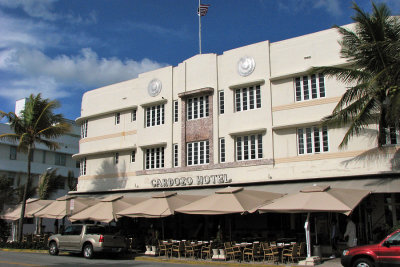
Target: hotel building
point(250, 117)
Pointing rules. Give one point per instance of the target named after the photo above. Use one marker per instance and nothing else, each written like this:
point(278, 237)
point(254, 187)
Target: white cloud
point(331, 7)
point(56, 77)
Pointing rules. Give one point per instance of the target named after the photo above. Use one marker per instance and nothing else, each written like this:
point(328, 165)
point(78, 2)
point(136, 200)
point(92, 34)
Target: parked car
point(385, 253)
point(87, 239)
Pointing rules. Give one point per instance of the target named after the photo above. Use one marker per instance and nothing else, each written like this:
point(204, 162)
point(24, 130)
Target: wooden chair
point(206, 251)
point(301, 251)
point(163, 248)
point(270, 252)
point(191, 250)
point(290, 253)
point(232, 252)
point(178, 249)
point(253, 252)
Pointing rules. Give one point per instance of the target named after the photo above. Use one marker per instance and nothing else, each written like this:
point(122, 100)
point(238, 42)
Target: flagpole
point(199, 14)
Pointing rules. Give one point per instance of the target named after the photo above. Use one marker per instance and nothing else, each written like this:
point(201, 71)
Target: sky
point(64, 48)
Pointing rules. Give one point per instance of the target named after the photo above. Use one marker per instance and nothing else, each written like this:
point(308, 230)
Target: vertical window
point(176, 159)
point(117, 118)
point(116, 158)
point(392, 136)
point(83, 166)
point(309, 87)
point(13, 152)
point(155, 115)
point(222, 150)
point(133, 115)
point(60, 159)
point(198, 153)
point(221, 100)
point(197, 107)
point(176, 111)
point(154, 158)
point(312, 140)
point(248, 98)
point(84, 128)
point(249, 147)
point(133, 156)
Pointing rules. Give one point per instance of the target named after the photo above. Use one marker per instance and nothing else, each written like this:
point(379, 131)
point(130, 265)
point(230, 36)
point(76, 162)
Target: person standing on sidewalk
point(334, 237)
point(351, 233)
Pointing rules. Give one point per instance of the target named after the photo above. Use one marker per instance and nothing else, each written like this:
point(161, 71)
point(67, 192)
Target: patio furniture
point(271, 252)
point(178, 249)
point(163, 248)
point(252, 252)
point(290, 253)
point(232, 252)
point(206, 251)
point(191, 250)
point(301, 251)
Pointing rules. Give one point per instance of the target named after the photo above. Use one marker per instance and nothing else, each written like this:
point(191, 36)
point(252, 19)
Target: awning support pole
point(308, 239)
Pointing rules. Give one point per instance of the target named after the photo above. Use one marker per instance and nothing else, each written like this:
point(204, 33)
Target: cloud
point(44, 9)
point(332, 7)
point(55, 77)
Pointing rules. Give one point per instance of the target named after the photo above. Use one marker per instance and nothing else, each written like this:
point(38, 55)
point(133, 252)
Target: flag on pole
point(202, 10)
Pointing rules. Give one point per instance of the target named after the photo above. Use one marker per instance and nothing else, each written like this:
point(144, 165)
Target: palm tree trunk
point(28, 180)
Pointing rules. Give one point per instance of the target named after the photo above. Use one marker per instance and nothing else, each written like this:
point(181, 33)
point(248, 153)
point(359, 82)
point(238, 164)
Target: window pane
point(298, 89)
point(314, 86)
point(221, 102)
point(300, 140)
point(238, 100)
point(309, 140)
point(305, 88)
point(321, 85)
point(244, 97)
point(317, 145)
point(258, 96)
point(325, 138)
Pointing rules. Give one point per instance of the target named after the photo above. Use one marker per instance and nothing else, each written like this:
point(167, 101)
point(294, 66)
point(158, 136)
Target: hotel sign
point(189, 181)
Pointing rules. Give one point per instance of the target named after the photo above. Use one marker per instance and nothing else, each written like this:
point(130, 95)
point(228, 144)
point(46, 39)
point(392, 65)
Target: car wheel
point(53, 250)
point(363, 262)
point(88, 251)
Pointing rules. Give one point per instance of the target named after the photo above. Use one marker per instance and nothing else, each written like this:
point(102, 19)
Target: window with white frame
point(117, 118)
point(176, 155)
point(84, 128)
point(222, 150)
point(249, 147)
point(198, 153)
point(13, 152)
point(60, 159)
point(133, 156)
point(248, 98)
point(116, 158)
point(221, 99)
point(133, 115)
point(176, 114)
point(197, 107)
point(309, 87)
point(312, 140)
point(83, 166)
point(392, 136)
point(154, 158)
point(155, 115)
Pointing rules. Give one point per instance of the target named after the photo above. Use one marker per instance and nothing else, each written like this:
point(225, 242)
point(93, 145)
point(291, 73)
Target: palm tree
point(71, 181)
point(372, 51)
point(37, 124)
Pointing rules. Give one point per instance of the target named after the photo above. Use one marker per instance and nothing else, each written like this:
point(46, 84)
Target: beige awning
point(66, 206)
point(32, 206)
point(159, 205)
point(315, 198)
point(106, 209)
point(229, 200)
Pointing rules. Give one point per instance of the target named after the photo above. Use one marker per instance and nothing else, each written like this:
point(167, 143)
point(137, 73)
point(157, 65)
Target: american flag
point(202, 10)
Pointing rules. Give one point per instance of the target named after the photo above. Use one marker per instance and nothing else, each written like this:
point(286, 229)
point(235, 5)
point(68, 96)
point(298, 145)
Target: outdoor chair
point(252, 253)
point(178, 249)
point(232, 252)
point(301, 251)
point(270, 252)
point(206, 251)
point(290, 253)
point(163, 248)
point(190, 250)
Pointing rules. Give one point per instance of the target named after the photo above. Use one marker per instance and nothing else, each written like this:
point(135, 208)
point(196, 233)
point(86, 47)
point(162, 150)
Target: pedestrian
point(334, 237)
point(351, 233)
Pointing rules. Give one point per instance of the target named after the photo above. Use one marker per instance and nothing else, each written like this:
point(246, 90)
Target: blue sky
point(63, 48)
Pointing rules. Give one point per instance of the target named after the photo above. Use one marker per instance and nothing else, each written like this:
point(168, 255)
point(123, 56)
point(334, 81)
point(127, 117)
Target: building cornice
point(201, 91)
point(105, 151)
point(82, 118)
point(246, 84)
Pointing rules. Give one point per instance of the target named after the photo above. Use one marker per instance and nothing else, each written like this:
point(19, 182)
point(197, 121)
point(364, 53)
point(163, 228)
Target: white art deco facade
point(248, 117)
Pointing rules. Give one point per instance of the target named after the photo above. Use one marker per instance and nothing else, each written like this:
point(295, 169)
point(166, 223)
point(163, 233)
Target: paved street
point(9, 258)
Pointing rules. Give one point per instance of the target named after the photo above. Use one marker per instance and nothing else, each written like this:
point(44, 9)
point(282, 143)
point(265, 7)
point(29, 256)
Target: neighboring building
point(249, 117)
point(13, 163)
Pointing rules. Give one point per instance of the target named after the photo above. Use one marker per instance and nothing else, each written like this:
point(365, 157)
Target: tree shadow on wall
point(109, 176)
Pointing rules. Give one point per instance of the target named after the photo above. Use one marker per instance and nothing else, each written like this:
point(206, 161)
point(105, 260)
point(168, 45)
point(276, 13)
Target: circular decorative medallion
point(246, 66)
point(154, 87)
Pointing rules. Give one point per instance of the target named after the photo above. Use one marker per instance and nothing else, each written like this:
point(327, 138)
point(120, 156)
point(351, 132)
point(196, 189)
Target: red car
point(386, 253)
